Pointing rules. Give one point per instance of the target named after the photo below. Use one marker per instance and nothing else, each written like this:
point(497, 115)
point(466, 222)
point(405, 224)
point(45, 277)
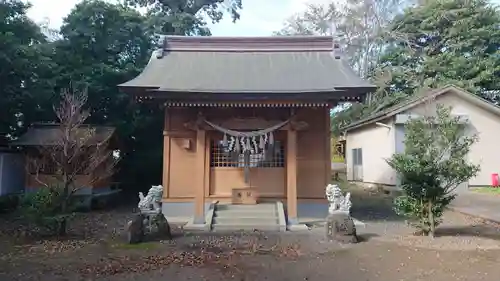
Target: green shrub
point(43, 208)
point(8, 203)
point(433, 165)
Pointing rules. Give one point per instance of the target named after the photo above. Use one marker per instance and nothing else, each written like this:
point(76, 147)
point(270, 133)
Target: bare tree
point(50, 33)
point(360, 26)
point(364, 30)
point(75, 150)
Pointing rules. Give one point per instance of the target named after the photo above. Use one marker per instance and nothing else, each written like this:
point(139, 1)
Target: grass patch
point(344, 185)
point(487, 189)
point(138, 246)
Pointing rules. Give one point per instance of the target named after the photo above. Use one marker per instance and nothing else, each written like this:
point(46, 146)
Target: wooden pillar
point(328, 160)
point(166, 156)
point(291, 176)
point(166, 164)
point(199, 202)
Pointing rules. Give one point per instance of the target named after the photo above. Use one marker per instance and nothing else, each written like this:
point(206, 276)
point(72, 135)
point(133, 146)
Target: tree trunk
point(423, 225)
point(63, 225)
point(64, 206)
point(432, 226)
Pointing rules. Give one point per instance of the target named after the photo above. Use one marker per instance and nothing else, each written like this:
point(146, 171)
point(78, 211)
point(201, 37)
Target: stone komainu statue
point(150, 214)
point(337, 201)
point(151, 202)
point(339, 223)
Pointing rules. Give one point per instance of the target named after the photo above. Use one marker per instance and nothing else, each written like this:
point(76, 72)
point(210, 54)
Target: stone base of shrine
point(192, 225)
point(181, 211)
point(310, 211)
point(297, 227)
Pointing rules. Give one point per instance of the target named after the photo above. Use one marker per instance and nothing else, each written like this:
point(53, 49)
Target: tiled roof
point(49, 134)
point(278, 64)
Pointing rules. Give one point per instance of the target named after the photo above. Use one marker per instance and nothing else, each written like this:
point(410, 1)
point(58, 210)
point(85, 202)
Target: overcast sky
point(258, 17)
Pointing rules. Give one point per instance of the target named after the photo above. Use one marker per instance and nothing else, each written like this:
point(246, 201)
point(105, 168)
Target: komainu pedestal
point(340, 227)
point(135, 230)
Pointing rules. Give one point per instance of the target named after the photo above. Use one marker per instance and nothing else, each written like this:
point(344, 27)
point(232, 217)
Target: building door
point(357, 164)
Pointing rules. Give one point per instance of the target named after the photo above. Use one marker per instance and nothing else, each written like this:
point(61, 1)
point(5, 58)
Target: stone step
point(241, 226)
point(228, 217)
point(245, 213)
point(258, 207)
point(245, 220)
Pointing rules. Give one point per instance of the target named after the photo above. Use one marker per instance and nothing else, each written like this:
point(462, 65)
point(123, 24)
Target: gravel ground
point(388, 251)
point(458, 232)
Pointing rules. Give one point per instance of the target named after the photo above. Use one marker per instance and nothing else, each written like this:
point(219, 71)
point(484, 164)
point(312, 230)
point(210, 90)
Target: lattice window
point(220, 157)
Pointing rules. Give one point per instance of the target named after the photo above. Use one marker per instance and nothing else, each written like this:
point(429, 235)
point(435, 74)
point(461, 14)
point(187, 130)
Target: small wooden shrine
point(41, 170)
point(247, 116)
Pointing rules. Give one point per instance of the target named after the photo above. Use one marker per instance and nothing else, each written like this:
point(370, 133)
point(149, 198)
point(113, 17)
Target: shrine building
point(247, 119)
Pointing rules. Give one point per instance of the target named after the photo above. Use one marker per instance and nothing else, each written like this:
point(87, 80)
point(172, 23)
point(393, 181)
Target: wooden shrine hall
point(247, 119)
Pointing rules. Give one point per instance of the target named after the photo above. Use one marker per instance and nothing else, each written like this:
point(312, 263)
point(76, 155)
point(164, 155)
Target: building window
point(357, 164)
point(357, 156)
point(273, 158)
